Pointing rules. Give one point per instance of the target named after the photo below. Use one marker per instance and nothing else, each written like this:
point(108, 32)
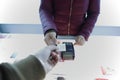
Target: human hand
point(50, 38)
point(48, 57)
point(79, 40)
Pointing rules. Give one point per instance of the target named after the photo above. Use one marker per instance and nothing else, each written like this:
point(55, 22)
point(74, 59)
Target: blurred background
point(20, 25)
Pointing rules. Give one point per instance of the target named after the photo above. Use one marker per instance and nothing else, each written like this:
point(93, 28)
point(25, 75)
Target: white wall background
point(27, 12)
point(110, 13)
point(19, 11)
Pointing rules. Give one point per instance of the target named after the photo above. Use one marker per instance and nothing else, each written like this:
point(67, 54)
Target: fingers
point(53, 40)
point(76, 43)
point(80, 40)
point(54, 55)
point(50, 38)
point(54, 58)
point(50, 41)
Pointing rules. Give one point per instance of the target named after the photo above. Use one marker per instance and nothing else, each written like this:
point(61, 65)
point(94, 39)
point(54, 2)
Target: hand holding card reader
point(66, 51)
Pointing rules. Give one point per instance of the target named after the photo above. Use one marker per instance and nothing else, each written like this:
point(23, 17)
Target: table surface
point(98, 59)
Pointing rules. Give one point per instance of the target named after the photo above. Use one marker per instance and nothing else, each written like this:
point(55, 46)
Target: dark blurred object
point(60, 78)
point(69, 53)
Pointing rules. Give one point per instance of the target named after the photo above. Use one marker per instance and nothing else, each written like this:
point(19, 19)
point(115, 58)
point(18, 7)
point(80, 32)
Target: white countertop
point(98, 58)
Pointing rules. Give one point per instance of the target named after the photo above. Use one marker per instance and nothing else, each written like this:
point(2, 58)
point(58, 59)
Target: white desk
point(98, 58)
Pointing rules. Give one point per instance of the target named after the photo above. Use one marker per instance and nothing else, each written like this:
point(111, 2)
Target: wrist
point(50, 31)
point(80, 40)
point(47, 67)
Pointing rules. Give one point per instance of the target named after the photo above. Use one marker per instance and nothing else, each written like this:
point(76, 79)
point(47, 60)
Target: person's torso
point(69, 15)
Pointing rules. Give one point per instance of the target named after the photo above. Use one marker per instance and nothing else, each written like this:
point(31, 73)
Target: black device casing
point(69, 54)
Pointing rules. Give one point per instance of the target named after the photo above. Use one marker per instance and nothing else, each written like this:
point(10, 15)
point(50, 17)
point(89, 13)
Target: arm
point(27, 69)
point(34, 67)
point(91, 18)
point(46, 15)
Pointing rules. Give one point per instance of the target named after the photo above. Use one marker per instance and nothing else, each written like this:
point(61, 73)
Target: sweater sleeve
point(29, 68)
point(91, 18)
point(46, 15)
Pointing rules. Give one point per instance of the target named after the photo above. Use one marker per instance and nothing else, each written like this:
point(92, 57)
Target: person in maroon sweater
point(69, 18)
